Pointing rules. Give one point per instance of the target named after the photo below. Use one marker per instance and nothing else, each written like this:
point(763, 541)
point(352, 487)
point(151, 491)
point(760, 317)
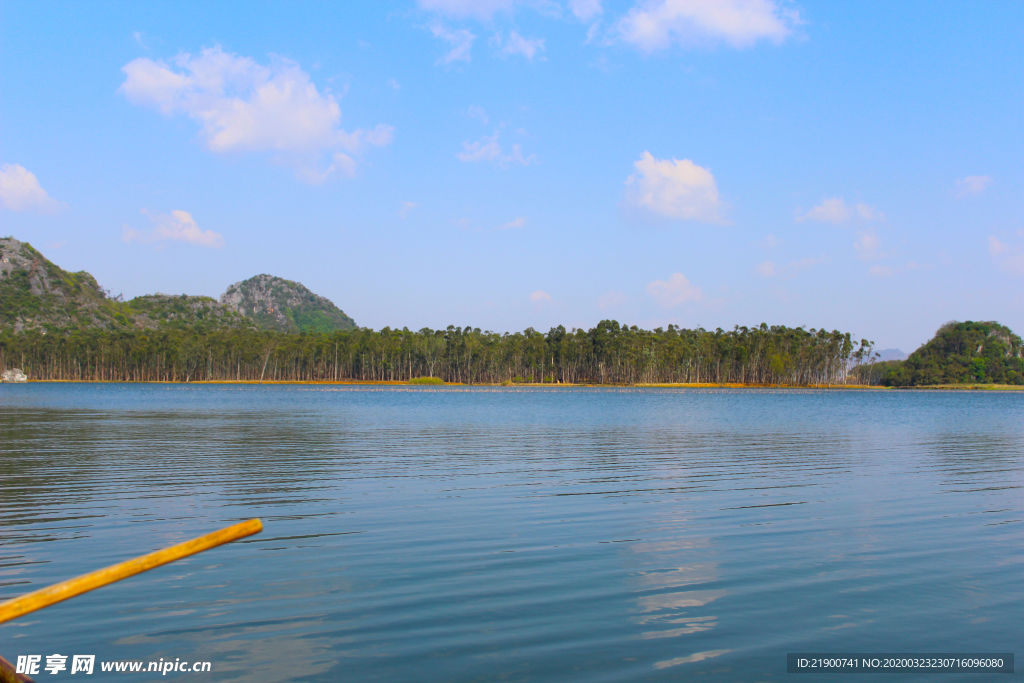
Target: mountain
point(36, 294)
point(278, 304)
point(891, 354)
point(962, 353)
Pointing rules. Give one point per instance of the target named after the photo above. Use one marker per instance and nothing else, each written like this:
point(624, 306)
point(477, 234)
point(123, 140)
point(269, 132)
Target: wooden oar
point(44, 597)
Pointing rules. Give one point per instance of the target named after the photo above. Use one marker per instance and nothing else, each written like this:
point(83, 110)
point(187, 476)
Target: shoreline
point(548, 385)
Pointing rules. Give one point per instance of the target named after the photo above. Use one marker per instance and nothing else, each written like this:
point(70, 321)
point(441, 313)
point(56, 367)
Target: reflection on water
point(541, 535)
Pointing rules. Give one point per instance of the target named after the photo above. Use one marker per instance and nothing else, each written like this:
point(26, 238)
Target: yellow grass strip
point(45, 597)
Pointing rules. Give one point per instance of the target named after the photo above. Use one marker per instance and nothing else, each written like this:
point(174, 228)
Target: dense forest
point(607, 354)
point(60, 325)
point(963, 353)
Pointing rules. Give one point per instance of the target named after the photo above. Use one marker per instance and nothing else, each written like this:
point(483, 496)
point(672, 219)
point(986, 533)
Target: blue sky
point(506, 164)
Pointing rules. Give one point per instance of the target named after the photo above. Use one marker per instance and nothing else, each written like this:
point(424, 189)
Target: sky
point(506, 164)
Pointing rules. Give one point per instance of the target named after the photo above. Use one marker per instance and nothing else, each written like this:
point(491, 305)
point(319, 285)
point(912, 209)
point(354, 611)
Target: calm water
point(501, 535)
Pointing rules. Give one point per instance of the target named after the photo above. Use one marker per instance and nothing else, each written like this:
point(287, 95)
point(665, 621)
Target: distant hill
point(891, 354)
point(36, 294)
point(278, 304)
point(962, 353)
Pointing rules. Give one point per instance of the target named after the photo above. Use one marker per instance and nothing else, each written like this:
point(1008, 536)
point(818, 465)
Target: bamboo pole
point(8, 673)
point(44, 597)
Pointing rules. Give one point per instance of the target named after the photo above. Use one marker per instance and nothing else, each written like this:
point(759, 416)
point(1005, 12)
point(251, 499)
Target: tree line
point(609, 353)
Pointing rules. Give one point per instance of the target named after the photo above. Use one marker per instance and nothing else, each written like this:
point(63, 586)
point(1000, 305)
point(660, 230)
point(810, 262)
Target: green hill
point(278, 304)
point(200, 313)
point(963, 353)
point(36, 294)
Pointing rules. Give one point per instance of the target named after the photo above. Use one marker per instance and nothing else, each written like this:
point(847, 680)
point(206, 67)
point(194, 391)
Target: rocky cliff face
point(36, 294)
point(279, 304)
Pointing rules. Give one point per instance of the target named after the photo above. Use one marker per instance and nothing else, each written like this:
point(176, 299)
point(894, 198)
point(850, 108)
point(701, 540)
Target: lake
point(490, 534)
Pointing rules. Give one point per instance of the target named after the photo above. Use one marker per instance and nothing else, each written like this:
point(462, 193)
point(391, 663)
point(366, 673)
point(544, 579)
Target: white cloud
point(869, 213)
point(20, 191)
point(832, 210)
point(477, 112)
point(868, 246)
point(972, 185)
point(513, 224)
point(517, 45)
point(880, 271)
point(393, 84)
point(769, 242)
point(406, 207)
point(178, 226)
point(1008, 257)
point(585, 10)
point(674, 188)
point(540, 296)
point(790, 270)
point(489, 149)
point(460, 40)
point(610, 300)
point(794, 267)
point(675, 291)
point(656, 24)
point(243, 106)
point(468, 9)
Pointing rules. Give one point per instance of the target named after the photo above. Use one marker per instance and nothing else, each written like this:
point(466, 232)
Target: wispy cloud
point(972, 185)
point(869, 246)
point(488, 148)
point(869, 213)
point(477, 112)
point(674, 291)
point(513, 224)
point(790, 270)
point(835, 210)
point(406, 207)
point(178, 226)
point(1009, 257)
point(656, 24)
point(586, 10)
point(832, 210)
point(482, 10)
point(540, 296)
point(611, 300)
point(516, 44)
point(460, 42)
